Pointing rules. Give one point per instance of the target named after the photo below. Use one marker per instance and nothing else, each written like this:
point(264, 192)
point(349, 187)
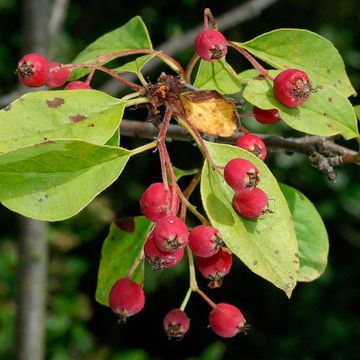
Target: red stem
point(206, 298)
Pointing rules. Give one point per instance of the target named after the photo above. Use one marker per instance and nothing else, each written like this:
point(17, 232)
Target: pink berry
point(204, 241)
point(253, 144)
point(270, 116)
point(176, 324)
point(292, 87)
point(77, 85)
point(57, 75)
point(211, 45)
point(214, 268)
point(33, 70)
point(160, 260)
point(241, 174)
point(170, 234)
point(226, 320)
point(252, 204)
point(153, 204)
point(126, 298)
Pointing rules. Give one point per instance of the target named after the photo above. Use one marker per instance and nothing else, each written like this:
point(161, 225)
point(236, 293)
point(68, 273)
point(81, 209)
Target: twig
point(57, 18)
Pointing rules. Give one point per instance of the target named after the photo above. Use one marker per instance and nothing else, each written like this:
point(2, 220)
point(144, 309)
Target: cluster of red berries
point(34, 70)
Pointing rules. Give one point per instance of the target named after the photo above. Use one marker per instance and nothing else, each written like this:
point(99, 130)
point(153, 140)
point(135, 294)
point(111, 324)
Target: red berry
point(57, 75)
point(250, 205)
point(77, 85)
point(215, 267)
point(33, 70)
point(204, 241)
point(210, 45)
point(176, 324)
point(292, 87)
point(126, 298)
point(160, 260)
point(153, 204)
point(170, 234)
point(253, 144)
point(226, 320)
point(241, 174)
point(270, 116)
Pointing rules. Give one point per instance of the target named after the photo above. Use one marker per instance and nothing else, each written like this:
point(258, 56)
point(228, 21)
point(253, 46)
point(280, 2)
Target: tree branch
point(322, 152)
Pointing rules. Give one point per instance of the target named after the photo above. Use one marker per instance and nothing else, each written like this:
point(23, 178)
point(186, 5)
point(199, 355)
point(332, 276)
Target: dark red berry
point(57, 75)
point(292, 87)
point(126, 298)
point(241, 174)
point(176, 324)
point(77, 85)
point(215, 267)
point(33, 70)
point(253, 144)
point(226, 320)
point(252, 204)
point(170, 234)
point(160, 260)
point(204, 241)
point(153, 202)
point(270, 116)
point(211, 45)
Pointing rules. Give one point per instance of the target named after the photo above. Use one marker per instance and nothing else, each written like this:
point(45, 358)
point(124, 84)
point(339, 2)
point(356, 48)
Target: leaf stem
point(190, 67)
point(136, 101)
point(144, 148)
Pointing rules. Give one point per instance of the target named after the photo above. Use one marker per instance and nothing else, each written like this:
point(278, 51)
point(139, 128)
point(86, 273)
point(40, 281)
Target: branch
point(57, 18)
point(322, 152)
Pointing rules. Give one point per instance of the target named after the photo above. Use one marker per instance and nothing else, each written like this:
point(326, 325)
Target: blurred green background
point(321, 321)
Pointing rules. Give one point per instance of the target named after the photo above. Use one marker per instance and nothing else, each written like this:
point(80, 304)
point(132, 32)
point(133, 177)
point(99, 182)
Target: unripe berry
point(250, 205)
point(204, 241)
point(153, 202)
point(253, 144)
point(170, 234)
point(33, 70)
point(77, 85)
point(267, 117)
point(57, 75)
point(292, 87)
point(176, 324)
point(210, 45)
point(126, 298)
point(215, 267)
point(160, 260)
point(241, 174)
point(226, 320)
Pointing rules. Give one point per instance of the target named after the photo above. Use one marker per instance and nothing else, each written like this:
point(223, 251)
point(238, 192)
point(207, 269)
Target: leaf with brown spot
point(53, 104)
point(210, 112)
point(77, 118)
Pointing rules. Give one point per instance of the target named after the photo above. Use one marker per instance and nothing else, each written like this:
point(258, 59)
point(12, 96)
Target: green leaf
point(304, 50)
point(88, 115)
point(357, 111)
point(267, 245)
point(136, 65)
point(119, 251)
point(55, 180)
point(132, 35)
point(310, 232)
point(219, 76)
point(115, 139)
point(325, 113)
point(179, 173)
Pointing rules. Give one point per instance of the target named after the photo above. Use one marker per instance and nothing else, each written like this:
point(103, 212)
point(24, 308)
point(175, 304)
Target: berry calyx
point(214, 268)
point(153, 202)
point(33, 70)
point(252, 204)
point(292, 87)
point(170, 234)
point(253, 144)
point(226, 320)
point(205, 241)
point(211, 45)
point(160, 260)
point(57, 75)
point(126, 298)
point(266, 117)
point(77, 85)
point(242, 175)
point(176, 324)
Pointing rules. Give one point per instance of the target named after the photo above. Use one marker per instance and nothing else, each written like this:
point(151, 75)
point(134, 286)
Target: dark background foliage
point(320, 321)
